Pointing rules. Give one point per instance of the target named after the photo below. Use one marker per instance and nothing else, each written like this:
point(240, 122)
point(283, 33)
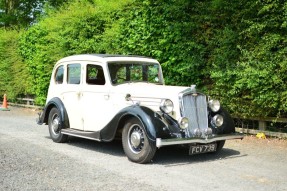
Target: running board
point(82, 134)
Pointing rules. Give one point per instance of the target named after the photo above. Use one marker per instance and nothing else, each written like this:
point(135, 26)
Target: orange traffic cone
point(4, 104)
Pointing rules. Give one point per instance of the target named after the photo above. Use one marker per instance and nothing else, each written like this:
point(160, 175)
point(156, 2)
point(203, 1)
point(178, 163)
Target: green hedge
point(15, 80)
point(235, 51)
point(79, 27)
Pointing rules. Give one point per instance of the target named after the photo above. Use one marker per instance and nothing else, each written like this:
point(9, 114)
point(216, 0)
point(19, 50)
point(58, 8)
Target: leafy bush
point(78, 27)
point(235, 51)
point(15, 79)
point(255, 85)
point(163, 30)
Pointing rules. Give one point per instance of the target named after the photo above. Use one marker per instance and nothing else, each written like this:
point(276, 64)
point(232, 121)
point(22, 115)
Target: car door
point(95, 101)
point(71, 95)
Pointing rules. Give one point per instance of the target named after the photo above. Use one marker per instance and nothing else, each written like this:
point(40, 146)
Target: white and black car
point(103, 97)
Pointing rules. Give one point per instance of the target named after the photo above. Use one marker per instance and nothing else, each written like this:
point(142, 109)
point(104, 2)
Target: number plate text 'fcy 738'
point(202, 149)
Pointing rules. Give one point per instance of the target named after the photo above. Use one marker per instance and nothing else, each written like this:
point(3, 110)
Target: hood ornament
point(193, 89)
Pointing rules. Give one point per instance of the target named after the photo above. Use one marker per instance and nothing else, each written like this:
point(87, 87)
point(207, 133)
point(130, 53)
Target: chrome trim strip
point(180, 141)
point(79, 134)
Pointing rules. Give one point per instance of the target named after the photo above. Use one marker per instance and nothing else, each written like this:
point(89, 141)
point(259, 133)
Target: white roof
point(106, 58)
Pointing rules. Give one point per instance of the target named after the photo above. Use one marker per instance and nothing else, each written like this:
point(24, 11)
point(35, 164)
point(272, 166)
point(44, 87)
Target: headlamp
point(214, 105)
point(166, 106)
point(217, 120)
point(183, 122)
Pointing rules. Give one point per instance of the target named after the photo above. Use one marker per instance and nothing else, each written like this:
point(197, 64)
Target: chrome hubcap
point(55, 124)
point(136, 138)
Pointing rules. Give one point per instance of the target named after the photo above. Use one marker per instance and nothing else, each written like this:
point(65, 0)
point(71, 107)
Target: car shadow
point(176, 155)
point(111, 148)
point(167, 156)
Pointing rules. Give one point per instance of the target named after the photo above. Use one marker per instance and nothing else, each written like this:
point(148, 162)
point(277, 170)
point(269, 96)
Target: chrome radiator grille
point(195, 109)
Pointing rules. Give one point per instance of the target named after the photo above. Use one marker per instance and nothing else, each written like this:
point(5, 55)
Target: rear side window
point(74, 74)
point(95, 75)
point(59, 76)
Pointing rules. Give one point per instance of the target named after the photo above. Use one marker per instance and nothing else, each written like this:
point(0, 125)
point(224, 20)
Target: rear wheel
point(136, 145)
point(55, 126)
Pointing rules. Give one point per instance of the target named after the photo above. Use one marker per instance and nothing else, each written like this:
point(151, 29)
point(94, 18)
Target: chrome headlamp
point(217, 120)
point(166, 106)
point(214, 105)
point(183, 122)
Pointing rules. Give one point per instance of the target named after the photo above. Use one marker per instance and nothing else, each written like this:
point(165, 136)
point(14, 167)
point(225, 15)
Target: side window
point(74, 74)
point(59, 76)
point(95, 75)
point(122, 75)
point(136, 72)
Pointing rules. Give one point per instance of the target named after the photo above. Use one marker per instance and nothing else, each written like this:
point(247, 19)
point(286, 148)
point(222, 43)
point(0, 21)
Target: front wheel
point(55, 126)
point(220, 145)
point(136, 144)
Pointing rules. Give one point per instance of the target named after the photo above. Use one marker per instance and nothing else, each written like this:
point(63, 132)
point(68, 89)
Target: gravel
point(30, 160)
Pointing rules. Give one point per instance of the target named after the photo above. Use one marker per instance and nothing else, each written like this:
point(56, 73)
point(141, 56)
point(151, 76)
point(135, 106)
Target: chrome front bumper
point(181, 141)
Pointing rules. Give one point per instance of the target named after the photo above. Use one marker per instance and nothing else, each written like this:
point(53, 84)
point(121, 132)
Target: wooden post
point(262, 125)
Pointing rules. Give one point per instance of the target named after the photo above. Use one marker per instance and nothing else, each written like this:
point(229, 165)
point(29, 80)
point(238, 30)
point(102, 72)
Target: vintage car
point(104, 97)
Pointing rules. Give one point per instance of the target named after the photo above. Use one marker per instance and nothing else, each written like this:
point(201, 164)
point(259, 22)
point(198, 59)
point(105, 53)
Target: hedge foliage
point(15, 78)
point(233, 50)
point(255, 85)
point(78, 27)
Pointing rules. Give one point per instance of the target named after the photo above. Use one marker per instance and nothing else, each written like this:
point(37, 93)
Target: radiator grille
point(195, 109)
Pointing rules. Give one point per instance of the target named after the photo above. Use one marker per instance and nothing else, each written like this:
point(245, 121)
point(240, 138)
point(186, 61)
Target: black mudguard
point(54, 102)
point(153, 123)
point(227, 127)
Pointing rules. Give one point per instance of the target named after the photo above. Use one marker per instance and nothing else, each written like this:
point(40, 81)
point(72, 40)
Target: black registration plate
point(196, 149)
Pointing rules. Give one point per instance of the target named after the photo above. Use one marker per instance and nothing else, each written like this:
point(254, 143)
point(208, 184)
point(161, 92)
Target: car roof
point(105, 57)
point(116, 55)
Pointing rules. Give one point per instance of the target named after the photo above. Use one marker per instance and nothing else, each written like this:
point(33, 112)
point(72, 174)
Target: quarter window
point(95, 75)
point(59, 76)
point(74, 74)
